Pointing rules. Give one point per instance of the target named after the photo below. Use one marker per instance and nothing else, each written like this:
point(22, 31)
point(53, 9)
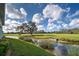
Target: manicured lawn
point(47, 36)
point(11, 35)
point(60, 36)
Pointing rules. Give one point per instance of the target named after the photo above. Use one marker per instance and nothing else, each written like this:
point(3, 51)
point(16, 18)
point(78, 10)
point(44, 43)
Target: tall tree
point(29, 27)
point(32, 27)
point(20, 29)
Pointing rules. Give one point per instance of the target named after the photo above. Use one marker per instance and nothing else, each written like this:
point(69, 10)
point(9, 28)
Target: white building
point(2, 17)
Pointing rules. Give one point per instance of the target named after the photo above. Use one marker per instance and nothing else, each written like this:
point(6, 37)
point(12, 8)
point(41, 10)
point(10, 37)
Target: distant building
point(2, 17)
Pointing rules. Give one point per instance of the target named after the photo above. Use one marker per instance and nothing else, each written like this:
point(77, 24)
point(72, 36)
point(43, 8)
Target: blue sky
point(48, 17)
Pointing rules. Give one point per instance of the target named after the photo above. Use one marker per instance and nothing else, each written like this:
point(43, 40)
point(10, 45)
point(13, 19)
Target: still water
point(59, 49)
point(66, 50)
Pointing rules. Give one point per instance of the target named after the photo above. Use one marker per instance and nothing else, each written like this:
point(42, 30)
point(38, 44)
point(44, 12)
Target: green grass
point(60, 36)
point(23, 48)
point(2, 49)
point(46, 36)
point(11, 35)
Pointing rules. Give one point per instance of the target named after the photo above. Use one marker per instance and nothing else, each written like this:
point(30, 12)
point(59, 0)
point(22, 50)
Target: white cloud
point(23, 11)
point(61, 25)
point(76, 13)
point(10, 25)
point(74, 22)
point(50, 26)
point(25, 21)
point(40, 27)
point(53, 27)
point(14, 13)
point(37, 18)
point(10, 22)
point(50, 20)
point(54, 11)
point(65, 26)
point(7, 29)
point(73, 15)
point(60, 22)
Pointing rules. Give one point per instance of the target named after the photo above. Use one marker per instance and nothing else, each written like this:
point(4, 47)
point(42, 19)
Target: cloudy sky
point(48, 17)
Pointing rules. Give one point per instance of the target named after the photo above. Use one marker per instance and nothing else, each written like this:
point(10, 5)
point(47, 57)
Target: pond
point(66, 49)
point(73, 50)
point(60, 49)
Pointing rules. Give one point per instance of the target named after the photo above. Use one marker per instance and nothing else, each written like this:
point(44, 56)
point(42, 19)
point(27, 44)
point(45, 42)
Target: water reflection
point(60, 50)
point(73, 50)
point(66, 50)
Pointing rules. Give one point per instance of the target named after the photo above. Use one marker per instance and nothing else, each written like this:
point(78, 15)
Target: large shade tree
point(20, 29)
point(29, 27)
point(32, 27)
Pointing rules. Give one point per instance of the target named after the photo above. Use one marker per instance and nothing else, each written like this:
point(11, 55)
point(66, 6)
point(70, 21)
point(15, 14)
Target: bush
point(2, 49)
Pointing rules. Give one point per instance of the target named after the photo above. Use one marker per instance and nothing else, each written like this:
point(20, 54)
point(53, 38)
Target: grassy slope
point(27, 49)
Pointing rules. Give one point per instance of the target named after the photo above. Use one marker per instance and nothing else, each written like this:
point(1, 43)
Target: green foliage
point(32, 27)
point(29, 27)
